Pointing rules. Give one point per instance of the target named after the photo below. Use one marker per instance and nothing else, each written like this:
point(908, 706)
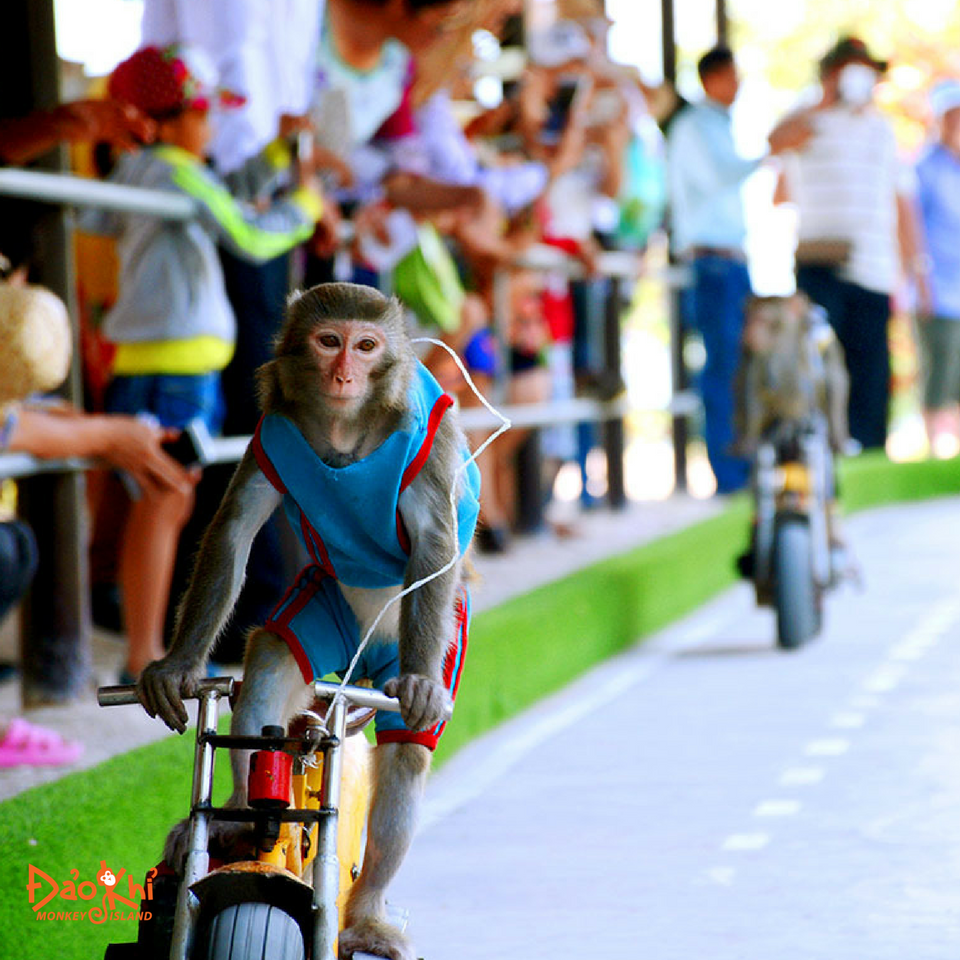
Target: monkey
point(792, 366)
point(357, 443)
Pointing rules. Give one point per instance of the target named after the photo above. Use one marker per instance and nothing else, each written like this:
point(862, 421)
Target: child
point(172, 323)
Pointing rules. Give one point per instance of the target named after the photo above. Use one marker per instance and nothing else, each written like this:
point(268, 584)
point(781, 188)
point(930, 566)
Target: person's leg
point(940, 342)
point(154, 523)
point(721, 288)
point(867, 350)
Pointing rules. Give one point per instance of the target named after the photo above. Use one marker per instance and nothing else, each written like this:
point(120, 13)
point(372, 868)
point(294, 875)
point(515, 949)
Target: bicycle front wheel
point(252, 931)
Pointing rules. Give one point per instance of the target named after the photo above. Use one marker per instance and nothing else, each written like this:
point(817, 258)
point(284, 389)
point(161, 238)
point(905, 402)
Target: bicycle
point(277, 912)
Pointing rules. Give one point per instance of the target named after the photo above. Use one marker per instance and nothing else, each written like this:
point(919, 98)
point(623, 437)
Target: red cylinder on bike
point(268, 784)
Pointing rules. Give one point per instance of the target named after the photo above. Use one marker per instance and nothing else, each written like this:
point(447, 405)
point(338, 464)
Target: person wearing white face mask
point(856, 225)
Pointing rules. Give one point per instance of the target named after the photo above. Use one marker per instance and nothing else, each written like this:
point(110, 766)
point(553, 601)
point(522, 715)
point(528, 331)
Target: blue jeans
point(721, 285)
point(174, 400)
point(859, 318)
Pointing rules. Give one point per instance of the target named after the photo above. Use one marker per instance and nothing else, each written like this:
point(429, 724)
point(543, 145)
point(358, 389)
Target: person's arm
point(252, 234)
point(125, 442)
point(702, 169)
point(23, 139)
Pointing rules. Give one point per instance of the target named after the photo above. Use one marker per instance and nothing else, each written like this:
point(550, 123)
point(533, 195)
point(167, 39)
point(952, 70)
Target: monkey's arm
point(426, 615)
point(214, 586)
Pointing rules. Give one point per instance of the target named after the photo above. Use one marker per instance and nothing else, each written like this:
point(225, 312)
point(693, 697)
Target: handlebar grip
point(125, 694)
point(365, 697)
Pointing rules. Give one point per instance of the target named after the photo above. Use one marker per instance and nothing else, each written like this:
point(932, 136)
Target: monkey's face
point(347, 355)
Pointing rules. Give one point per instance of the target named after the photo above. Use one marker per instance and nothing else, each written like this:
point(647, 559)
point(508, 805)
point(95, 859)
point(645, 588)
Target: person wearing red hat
point(172, 323)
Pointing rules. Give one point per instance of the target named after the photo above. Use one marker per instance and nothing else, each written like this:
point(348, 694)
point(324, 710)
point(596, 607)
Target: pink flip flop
point(24, 744)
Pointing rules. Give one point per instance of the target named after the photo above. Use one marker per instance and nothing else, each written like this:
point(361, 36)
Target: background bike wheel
point(796, 596)
point(252, 931)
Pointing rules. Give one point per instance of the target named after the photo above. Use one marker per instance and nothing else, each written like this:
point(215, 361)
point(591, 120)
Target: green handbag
point(426, 280)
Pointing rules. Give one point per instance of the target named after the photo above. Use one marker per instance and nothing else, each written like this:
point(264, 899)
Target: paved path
point(707, 796)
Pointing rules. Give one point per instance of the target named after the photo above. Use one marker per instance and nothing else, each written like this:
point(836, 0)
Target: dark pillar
point(677, 366)
point(55, 625)
point(613, 429)
point(723, 24)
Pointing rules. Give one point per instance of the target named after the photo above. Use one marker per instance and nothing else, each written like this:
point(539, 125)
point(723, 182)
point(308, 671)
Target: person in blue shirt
point(938, 201)
point(705, 174)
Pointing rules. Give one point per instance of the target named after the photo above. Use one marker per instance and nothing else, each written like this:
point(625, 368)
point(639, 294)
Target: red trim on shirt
point(264, 462)
point(281, 625)
point(299, 654)
point(430, 738)
point(444, 402)
point(316, 546)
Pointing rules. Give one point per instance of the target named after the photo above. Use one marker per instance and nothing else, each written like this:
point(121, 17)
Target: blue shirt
point(938, 194)
point(348, 517)
point(705, 175)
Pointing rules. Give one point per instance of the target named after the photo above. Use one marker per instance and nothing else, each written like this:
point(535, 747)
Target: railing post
point(678, 370)
point(613, 429)
point(55, 627)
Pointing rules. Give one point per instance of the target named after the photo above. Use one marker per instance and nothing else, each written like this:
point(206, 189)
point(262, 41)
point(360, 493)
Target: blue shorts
point(320, 629)
point(174, 399)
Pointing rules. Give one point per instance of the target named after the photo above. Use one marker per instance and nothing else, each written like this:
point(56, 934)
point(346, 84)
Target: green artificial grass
point(519, 652)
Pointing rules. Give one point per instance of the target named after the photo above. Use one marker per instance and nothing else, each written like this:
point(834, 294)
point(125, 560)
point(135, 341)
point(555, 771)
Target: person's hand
point(292, 124)
point(135, 446)
point(94, 121)
point(326, 234)
point(790, 134)
point(371, 220)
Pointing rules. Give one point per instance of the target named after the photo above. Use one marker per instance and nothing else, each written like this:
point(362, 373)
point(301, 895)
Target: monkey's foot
point(228, 841)
point(376, 937)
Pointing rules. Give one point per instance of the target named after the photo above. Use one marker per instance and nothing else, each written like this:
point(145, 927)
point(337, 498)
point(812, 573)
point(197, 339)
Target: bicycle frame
point(324, 811)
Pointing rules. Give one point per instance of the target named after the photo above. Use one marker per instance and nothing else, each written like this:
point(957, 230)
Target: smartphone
point(190, 446)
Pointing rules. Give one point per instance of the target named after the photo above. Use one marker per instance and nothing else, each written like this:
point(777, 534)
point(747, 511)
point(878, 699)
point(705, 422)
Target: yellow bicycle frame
point(288, 852)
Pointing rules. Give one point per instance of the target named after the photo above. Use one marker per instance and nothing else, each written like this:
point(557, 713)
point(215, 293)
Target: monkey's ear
point(269, 394)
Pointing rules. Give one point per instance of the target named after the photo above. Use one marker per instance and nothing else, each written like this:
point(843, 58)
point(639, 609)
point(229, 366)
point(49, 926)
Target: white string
point(503, 428)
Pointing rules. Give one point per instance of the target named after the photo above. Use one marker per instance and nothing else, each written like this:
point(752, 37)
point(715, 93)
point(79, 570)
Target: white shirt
point(264, 50)
point(845, 184)
point(705, 174)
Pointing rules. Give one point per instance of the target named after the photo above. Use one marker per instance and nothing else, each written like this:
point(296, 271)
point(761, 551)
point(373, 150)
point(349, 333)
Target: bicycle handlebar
point(126, 694)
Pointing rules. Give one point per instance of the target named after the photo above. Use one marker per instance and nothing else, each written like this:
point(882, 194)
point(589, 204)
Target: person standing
point(705, 174)
point(264, 54)
point(938, 289)
point(856, 225)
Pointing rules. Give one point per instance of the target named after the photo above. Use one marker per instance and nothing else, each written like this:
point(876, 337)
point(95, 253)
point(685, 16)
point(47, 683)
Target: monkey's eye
point(367, 344)
point(329, 340)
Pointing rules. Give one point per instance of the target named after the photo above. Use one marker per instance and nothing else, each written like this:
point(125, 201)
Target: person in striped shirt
point(856, 225)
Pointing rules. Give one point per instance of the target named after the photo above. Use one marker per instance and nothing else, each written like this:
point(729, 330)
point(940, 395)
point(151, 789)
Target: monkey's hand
point(423, 702)
point(162, 687)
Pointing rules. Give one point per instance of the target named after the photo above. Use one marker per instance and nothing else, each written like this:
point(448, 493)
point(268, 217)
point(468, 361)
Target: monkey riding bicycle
point(308, 798)
point(791, 413)
point(359, 446)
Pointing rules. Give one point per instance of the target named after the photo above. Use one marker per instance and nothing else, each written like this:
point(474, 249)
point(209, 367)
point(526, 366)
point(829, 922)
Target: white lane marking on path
point(722, 876)
point(448, 795)
point(746, 841)
point(777, 808)
point(474, 782)
point(865, 701)
point(826, 748)
point(847, 721)
point(885, 678)
point(801, 776)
